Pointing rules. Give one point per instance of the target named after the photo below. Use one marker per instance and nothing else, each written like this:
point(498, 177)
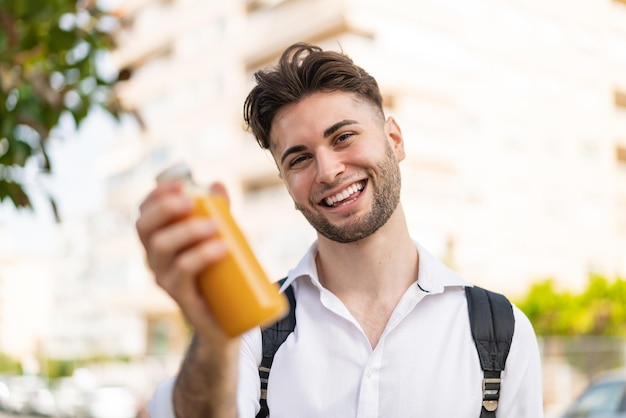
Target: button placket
point(369, 394)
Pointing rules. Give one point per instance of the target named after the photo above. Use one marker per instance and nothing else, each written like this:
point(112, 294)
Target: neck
point(383, 264)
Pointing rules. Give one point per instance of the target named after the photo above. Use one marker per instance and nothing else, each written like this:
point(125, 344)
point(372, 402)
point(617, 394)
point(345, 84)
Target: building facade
point(513, 113)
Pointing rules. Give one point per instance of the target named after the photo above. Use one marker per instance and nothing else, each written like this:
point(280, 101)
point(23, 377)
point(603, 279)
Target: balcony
point(317, 22)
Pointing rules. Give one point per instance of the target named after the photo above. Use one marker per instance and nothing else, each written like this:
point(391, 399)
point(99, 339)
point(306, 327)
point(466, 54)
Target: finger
point(182, 281)
point(161, 211)
point(160, 190)
point(182, 284)
point(166, 243)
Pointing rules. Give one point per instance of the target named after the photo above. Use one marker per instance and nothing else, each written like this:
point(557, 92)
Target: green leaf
point(60, 40)
point(17, 154)
point(15, 192)
point(598, 310)
point(32, 48)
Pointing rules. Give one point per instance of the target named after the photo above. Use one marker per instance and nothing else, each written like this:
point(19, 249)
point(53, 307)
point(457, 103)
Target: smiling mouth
point(345, 196)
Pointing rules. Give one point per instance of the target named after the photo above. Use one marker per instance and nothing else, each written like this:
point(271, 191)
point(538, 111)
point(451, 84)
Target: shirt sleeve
point(249, 388)
point(161, 404)
point(521, 393)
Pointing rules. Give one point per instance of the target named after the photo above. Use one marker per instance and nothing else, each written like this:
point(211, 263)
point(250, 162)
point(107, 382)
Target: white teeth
point(344, 194)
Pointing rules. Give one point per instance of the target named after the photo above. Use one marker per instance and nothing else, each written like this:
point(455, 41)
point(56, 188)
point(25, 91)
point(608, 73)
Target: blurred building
point(514, 116)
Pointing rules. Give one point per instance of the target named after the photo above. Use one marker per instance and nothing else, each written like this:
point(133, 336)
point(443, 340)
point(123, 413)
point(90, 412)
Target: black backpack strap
point(273, 336)
point(492, 322)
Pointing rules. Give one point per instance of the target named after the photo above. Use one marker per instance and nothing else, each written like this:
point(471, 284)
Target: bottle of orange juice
point(236, 289)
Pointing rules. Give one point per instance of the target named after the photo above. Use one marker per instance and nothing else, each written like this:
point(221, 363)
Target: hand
point(178, 248)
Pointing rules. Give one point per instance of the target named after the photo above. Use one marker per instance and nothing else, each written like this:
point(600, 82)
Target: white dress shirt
point(424, 365)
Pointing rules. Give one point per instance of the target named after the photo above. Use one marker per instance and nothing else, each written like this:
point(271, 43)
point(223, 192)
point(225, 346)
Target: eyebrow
point(327, 132)
point(334, 128)
point(291, 150)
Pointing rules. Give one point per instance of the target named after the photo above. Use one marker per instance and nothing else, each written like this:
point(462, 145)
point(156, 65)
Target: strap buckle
point(491, 393)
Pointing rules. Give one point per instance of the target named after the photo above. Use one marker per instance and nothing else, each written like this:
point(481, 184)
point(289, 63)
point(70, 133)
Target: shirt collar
point(306, 267)
point(433, 276)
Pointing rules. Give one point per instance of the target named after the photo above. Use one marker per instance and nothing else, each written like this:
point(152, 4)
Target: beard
point(386, 199)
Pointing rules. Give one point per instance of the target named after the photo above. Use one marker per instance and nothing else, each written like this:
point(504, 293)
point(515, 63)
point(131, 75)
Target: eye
point(299, 160)
point(344, 137)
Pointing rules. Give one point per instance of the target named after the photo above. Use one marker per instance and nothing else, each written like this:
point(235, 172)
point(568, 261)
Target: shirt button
point(368, 373)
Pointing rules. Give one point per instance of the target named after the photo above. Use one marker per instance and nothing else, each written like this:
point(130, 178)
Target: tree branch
point(8, 23)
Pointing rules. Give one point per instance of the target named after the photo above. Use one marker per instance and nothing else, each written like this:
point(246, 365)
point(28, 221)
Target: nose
point(329, 166)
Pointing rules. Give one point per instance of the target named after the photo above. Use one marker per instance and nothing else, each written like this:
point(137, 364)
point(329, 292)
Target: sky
point(76, 182)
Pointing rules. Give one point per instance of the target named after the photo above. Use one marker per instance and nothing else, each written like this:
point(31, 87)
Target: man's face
point(339, 160)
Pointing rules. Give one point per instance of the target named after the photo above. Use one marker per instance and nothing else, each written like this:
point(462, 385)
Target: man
point(382, 326)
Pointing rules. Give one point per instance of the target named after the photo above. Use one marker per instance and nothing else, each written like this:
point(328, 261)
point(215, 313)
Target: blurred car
point(17, 393)
point(605, 397)
point(40, 401)
point(68, 397)
point(4, 392)
point(109, 402)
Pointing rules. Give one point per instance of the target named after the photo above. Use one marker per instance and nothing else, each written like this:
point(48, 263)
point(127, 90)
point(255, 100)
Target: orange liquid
point(236, 289)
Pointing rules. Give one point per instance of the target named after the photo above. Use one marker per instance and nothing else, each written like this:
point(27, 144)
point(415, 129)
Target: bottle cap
point(177, 171)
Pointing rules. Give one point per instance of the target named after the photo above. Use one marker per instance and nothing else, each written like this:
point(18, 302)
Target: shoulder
point(524, 331)
point(524, 356)
point(251, 343)
point(522, 378)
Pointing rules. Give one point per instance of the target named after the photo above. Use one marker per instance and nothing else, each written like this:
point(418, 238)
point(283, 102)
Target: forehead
point(312, 115)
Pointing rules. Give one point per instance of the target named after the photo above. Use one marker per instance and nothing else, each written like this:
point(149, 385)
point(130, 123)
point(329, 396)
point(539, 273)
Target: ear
point(394, 135)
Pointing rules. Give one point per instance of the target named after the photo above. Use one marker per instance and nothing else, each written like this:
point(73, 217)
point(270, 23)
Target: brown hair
point(302, 70)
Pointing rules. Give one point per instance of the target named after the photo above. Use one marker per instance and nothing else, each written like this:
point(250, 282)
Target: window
point(620, 99)
point(261, 183)
point(254, 5)
point(620, 155)
point(389, 101)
